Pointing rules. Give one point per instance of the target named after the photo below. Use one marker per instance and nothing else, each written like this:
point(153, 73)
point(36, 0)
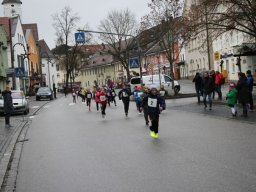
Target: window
point(167, 79)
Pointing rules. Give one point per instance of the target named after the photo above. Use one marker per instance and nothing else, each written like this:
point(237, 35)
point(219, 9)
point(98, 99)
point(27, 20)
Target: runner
point(83, 95)
point(88, 98)
point(103, 101)
point(124, 95)
point(113, 93)
point(74, 95)
point(145, 107)
point(137, 97)
point(155, 105)
point(96, 97)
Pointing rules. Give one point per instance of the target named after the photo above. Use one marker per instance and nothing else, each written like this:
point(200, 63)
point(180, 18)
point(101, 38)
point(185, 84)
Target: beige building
point(98, 71)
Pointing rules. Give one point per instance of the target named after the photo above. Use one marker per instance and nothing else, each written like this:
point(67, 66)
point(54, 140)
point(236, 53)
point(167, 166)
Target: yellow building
point(99, 70)
point(34, 67)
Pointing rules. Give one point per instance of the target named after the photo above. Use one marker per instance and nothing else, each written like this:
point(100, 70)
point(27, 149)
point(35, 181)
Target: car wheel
point(37, 99)
point(51, 98)
point(176, 90)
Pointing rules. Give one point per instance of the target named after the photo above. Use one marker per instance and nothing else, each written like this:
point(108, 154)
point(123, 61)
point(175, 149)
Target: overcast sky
point(90, 11)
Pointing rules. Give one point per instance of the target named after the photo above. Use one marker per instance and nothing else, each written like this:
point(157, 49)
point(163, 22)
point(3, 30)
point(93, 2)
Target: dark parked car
point(44, 93)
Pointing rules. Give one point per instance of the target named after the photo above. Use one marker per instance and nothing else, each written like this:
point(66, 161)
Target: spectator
point(208, 89)
point(250, 82)
point(198, 80)
point(243, 92)
point(8, 106)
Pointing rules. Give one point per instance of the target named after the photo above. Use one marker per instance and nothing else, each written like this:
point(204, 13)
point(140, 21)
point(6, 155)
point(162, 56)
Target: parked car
point(170, 85)
point(44, 93)
point(20, 102)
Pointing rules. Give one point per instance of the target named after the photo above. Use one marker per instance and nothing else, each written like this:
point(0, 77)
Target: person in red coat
point(97, 98)
point(103, 101)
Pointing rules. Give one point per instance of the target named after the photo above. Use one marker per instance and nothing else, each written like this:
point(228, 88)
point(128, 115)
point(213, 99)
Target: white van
point(170, 85)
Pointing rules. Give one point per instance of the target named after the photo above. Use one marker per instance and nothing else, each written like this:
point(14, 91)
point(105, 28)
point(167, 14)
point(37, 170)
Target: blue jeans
point(209, 95)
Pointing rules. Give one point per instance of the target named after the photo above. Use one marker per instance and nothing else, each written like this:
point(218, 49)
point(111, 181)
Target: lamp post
point(24, 56)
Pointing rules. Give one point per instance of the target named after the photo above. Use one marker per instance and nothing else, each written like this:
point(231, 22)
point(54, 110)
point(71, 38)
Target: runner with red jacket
point(103, 101)
point(96, 97)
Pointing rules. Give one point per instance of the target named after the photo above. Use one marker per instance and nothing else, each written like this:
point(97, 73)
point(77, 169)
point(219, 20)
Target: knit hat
point(153, 86)
point(231, 85)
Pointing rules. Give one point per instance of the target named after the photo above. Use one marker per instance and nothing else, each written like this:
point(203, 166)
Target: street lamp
point(24, 56)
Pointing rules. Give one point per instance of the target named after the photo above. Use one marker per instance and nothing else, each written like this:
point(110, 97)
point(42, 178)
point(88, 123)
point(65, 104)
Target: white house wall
point(49, 69)
point(224, 45)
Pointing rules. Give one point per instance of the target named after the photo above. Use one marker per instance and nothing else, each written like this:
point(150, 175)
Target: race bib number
point(102, 98)
point(152, 102)
point(125, 94)
point(89, 96)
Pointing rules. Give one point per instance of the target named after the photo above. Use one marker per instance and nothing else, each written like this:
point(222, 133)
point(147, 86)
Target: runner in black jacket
point(155, 105)
point(124, 95)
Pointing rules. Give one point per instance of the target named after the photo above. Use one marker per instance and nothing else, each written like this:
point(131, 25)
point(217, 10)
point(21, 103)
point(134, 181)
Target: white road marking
point(71, 104)
point(32, 117)
point(35, 107)
point(47, 106)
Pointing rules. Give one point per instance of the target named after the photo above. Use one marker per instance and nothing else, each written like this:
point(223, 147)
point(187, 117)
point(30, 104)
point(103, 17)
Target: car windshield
point(135, 81)
point(17, 95)
point(43, 90)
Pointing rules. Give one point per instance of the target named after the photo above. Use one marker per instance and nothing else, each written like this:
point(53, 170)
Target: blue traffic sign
point(134, 63)
point(80, 37)
point(20, 72)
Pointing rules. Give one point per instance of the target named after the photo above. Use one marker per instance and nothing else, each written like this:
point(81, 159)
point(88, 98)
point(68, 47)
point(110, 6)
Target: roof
point(4, 21)
point(11, 1)
point(33, 27)
point(45, 50)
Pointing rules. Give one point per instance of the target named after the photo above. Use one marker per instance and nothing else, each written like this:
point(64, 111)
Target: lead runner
point(155, 105)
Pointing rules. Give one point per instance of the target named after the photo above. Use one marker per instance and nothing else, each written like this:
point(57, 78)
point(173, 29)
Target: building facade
point(3, 58)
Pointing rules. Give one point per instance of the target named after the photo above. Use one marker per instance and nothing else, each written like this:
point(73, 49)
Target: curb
point(4, 164)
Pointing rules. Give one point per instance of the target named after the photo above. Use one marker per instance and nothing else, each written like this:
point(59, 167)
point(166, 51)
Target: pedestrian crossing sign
point(134, 63)
point(19, 71)
point(80, 37)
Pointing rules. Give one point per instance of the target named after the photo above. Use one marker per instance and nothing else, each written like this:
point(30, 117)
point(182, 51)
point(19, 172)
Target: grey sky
point(90, 11)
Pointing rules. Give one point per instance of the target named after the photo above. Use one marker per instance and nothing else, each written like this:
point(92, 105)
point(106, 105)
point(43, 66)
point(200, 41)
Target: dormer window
point(103, 59)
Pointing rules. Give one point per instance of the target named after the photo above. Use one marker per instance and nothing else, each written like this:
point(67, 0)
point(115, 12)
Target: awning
point(245, 49)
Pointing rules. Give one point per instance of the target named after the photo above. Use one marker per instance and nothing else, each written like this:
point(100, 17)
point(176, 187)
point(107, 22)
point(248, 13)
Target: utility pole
point(207, 37)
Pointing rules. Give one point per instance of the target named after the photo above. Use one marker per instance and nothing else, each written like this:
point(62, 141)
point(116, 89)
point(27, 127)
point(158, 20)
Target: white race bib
point(102, 98)
point(152, 102)
point(89, 96)
point(125, 94)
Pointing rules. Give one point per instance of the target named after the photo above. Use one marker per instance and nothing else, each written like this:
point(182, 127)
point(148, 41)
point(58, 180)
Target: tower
point(12, 8)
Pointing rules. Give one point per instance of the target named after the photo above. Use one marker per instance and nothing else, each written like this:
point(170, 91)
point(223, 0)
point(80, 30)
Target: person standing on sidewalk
point(155, 105)
point(232, 98)
point(250, 82)
point(243, 92)
point(208, 89)
point(198, 80)
point(8, 106)
point(218, 82)
point(124, 95)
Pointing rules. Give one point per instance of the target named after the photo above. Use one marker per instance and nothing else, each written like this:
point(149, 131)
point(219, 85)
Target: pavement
point(8, 137)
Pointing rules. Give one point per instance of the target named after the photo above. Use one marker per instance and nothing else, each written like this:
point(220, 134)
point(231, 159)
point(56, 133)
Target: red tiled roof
point(6, 24)
point(33, 27)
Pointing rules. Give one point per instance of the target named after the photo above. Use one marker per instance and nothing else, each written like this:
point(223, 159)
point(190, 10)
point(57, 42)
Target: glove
point(161, 109)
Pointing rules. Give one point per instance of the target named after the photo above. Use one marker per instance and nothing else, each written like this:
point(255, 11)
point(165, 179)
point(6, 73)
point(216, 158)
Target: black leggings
point(155, 122)
point(126, 105)
point(7, 118)
point(97, 106)
point(103, 109)
point(88, 102)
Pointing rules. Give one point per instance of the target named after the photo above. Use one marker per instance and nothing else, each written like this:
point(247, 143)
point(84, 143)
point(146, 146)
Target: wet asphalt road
point(71, 149)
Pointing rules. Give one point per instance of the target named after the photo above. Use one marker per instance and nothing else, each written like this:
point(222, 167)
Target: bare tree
point(168, 25)
point(65, 23)
point(122, 23)
point(224, 15)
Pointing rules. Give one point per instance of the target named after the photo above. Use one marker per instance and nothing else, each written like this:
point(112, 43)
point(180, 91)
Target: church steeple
point(12, 8)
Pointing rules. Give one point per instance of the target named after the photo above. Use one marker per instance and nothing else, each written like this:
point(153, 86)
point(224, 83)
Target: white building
point(226, 45)
point(48, 64)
